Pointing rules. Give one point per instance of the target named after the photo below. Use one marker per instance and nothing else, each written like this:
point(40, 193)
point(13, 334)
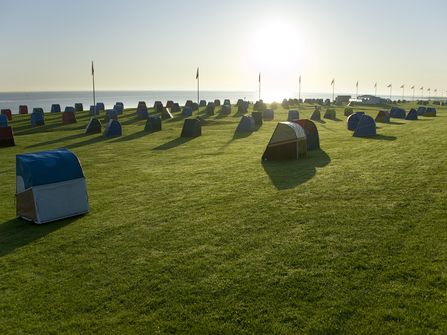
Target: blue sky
point(157, 45)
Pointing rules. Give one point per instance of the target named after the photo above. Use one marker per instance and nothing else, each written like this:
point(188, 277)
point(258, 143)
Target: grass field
point(201, 237)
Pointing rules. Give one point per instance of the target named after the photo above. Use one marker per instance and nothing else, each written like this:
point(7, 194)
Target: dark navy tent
point(188, 103)
point(94, 111)
point(37, 117)
point(3, 121)
point(158, 107)
point(169, 104)
point(202, 103)
point(242, 107)
point(175, 108)
point(100, 107)
point(79, 107)
point(268, 115)
point(354, 119)
point(6, 137)
point(142, 112)
point(195, 106)
point(421, 110)
point(50, 185)
point(366, 127)
point(187, 111)
point(293, 115)
point(113, 129)
point(216, 102)
point(23, 109)
point(210, 108)
point(257, 117)
point(412, 115)
point(153, 124)
point(70, 109)
point(55, 108)
point(7, 113)
point(111, 114)
point(383, 117)
point(312, 136)
point(191, 128)
point(93, 126)
point(246, 124)
point(348, 111)
point(316, 115)
point(227, 102)
point(118, 108)
point(225, 110)
point(330, 114)
point(430, 112)
point(398, 113)
point(166, 114)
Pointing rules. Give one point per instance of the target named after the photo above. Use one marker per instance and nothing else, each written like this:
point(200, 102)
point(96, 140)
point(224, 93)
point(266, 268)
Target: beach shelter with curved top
point(191, 128)
point(217, 102)
point(175, 108)
point(293, 115)
point(158, 106)
point(111, 114)
point(288, 142)
point(412, 115)
point(227, 102)
point(225, 110)
point(421, 110)
point(353, 120)
point(142, 112)
point(366, 127)
point(430, 112)
point(153, 124)
point(246, 124)
point(79, 107)
point(169, 104)
point(330, 114)
point(398, 113)
point(7, 113)
point(3, 121)
point(93, 126)
point(69, 116)
point(242, 107)
point(187, 111)
point(257, 116)
point(113, 129)
point(55, 108)
point(23, 109)
point(210, 108)
point(316, 115)
point(94, 111)
point(6, 137)
point(37, 117)
point(383, 117)
point(268, 115)
point(311, 130)
point(118, 108)
point(50, 185)
point(202, 103)
point(100, 107)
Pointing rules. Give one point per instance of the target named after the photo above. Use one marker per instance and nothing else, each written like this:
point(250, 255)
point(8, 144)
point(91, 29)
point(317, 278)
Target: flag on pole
point(357, 84)
point(422, 88)
point(259, 79)
point(412, 87)
point(93, 69)
point(197, 73)
point(375, 85)
point(429, 89)
point(390, 85)
point(300, 79)
point(436, 90)
point(403, 86)
point(333, 81)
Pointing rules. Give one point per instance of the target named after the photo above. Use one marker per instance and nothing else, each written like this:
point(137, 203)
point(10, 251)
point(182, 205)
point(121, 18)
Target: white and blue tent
point(50, 185)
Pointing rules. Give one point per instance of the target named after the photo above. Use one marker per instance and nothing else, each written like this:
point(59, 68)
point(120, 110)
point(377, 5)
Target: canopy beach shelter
point(412, 115)
point(246, 124)
point(312, 136)
point(113, 129)
point(55, 108)
point(23, 109)
point(37, 117)
point(383, 117)
point(366, 127)
point(398, 113)
point(191, 128)
point(353, 120)
point(288, 142)
point(7, 113)
point(50, 185)
point(153, 124)
point(293, 115)
point(6, 137)
point(93, 126)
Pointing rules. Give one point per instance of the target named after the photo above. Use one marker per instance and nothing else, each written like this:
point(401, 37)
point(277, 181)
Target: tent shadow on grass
point(18, 233)
point(62, 139)
point(381, 137)
point(174, 143)
point(130, 121)
point(92, 140)
point(395, 123)
point(133, 136)
point(286, 175)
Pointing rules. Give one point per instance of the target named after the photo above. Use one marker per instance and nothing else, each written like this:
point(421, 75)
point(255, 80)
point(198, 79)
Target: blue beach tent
point(354, 119)
point(37, 117)
point(430, 112)
point(268, 115)
point(153, 124)
point(118, 108)
point(398, 113)
point(69, 109)
point(247, 124)
point(293, 115)
point(113, 129)
point(412, 115)
point(55, 108)
point(100, 107)
point(187, 111)
point(421, 110)
point(366, 127)
point(50, 185)
point(383, 117)
point(3, 121)
point(94, 111)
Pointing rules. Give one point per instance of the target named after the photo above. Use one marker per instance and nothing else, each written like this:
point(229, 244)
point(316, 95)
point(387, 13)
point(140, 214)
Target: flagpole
point(299, 89)
point(94, 93)
point(198, 89)
point(375, 89)
point(357, 90)
point(259, 90)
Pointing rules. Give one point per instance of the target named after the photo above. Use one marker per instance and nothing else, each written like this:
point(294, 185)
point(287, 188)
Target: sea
point(130, 99)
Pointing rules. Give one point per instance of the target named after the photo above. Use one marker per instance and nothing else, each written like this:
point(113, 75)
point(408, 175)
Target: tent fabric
point(46, 167)
point(246, 124)
point(188, 103)
point(94, 110)
point(169, 104)
point(79, 107)
point(366, 127)
point(175, 108)
point(166, 114)
point(191, 128)
point(3, 121)
point(37, 117)
point(242, 107)
point(118, 108)
point(158, 107)
point(23, 109)
point(217, 102)
point(430, 112)
point(142, 112)
point(111, 114)
point(227, 102)
point(93, 126)
point(113, 129)
point(268, 115)
point(210, 108)
point(412, 115)
point(312, 136)
point(316, 115)
point(187, 111)
point(153, 124)
point(397, 113)
point(69, 109)
point(353, 120)
point(6, 137)
point(293, 115)
point(100, 107)
point(68, 117)
point(421, 110)
point(348, 111)
point(7, 113)
point(202, 103)
point(383, 117)
point(257, 116)
point(287, 142)
point(55, 108)
point(225, 110)
point(330, 114)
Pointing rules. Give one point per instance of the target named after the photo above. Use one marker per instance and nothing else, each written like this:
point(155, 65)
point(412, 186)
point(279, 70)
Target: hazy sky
point(157, 45)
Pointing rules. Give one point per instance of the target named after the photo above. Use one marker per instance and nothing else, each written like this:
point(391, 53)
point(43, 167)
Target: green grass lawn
point(201, 237)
